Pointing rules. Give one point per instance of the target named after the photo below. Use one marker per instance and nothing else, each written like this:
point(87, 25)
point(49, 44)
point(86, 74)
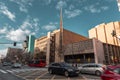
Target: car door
point(54, 67)
point(85, 69)
point(92, 68)
point(58, 68)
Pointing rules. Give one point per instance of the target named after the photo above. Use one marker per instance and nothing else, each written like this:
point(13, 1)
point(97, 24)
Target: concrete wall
point(109, 28)
point(98, 51)
point(71, 37)
point(103, 33)
point(82, 47)
point(92, 33)
point(117, 29)
point(57, 45)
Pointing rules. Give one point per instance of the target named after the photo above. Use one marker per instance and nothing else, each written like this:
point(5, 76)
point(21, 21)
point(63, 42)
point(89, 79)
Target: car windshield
point(65, 65)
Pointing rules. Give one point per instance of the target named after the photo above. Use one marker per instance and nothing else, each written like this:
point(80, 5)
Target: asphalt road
point(4, 75)
point(31, 73)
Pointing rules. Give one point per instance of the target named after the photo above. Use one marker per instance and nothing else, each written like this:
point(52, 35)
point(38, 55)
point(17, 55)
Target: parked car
point(16, 65)
point(37, 63)
point(63, 68)
point(92, 68)
point(6, 63)
point(111, 73)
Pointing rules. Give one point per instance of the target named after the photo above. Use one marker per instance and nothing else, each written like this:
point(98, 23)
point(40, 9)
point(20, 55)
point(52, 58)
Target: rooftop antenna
point(61, 37)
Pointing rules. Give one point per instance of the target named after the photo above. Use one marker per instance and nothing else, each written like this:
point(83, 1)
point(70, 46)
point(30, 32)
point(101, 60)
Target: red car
point(38, 63)
point(111, 73)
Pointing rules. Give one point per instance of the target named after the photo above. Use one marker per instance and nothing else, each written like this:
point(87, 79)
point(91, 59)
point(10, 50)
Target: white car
point(92, 68)
point(17, 65)
point(6, 63)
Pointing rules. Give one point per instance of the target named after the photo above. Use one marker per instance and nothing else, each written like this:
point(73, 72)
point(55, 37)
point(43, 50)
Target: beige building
point(50, 44)
point(64, 45)
point(111, 44)
point(103, 32)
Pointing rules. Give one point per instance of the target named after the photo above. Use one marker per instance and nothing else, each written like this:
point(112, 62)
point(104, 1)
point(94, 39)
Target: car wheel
point(98, 73)
point(50, 71)
point(66, 73)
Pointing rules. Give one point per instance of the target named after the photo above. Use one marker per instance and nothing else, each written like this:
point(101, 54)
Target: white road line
point(20, 70)
point(85, 78)
point(53, 77)
point(9, 71)
point(3, 71)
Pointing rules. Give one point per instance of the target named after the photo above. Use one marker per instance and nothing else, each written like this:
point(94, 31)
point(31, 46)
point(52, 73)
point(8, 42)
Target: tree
point(40, 55)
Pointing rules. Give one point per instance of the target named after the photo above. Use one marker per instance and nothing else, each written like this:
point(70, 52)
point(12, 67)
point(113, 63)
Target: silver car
point(92, 68)
point(16, 65)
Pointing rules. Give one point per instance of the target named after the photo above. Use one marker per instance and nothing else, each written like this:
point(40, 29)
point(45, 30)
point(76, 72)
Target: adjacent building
point(64, 45)
point(31, 40)
point(111, 44)
point(50, 44)
point(103, 32)
point(14, 55)
point(87, 51)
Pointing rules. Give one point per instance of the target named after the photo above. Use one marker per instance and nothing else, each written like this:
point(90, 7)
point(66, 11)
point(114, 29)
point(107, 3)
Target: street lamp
point(115, 35)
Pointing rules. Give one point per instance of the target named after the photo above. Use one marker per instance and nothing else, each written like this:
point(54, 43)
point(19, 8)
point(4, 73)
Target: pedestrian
point(75, 64)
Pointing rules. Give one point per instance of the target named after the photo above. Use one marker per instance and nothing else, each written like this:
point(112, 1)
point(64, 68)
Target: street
point(32, 73)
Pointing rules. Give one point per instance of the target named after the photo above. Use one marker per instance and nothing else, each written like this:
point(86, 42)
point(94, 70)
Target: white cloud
point(26, 24)
point(61, 4)
point(118, 2)
point(71, 7)
point(17, 35)
point(96, 8)
point(104, 7)
point(92, 9)
point(31, 23)
point(4, 10)
point(3, 52)
point(3, 31)
point(23, 9)
point(29, 26)
point(23, 4)
point(50, 26)
point(46, 1)
point(74, 13)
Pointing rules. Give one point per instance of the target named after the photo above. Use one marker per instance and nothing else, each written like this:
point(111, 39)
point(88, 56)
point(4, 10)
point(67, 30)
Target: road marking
point(25, 73)
point(53, 77)
point(41, 75)
point(34, 72)
point(9, 71)
point(3, 71)
point(84, 77)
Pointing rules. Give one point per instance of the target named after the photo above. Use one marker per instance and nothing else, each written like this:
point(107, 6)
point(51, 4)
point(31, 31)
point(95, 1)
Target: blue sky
point(19, 18)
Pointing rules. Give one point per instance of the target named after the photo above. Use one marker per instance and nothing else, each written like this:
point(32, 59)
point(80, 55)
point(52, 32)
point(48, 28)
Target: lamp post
point(116, 57)
point(115, 35)
point(14, 43)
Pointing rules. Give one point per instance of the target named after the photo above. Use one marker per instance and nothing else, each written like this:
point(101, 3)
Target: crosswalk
point(2, 71)
point(19, 70)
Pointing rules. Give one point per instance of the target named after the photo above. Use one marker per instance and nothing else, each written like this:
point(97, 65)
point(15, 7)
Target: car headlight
point(70, 69)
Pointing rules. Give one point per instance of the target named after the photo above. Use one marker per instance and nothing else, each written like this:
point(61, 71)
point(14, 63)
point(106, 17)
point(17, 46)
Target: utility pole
point(116, 59)
point(14, 43)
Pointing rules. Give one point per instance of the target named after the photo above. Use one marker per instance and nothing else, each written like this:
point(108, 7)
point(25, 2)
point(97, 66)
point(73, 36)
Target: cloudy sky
point(19, 18)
